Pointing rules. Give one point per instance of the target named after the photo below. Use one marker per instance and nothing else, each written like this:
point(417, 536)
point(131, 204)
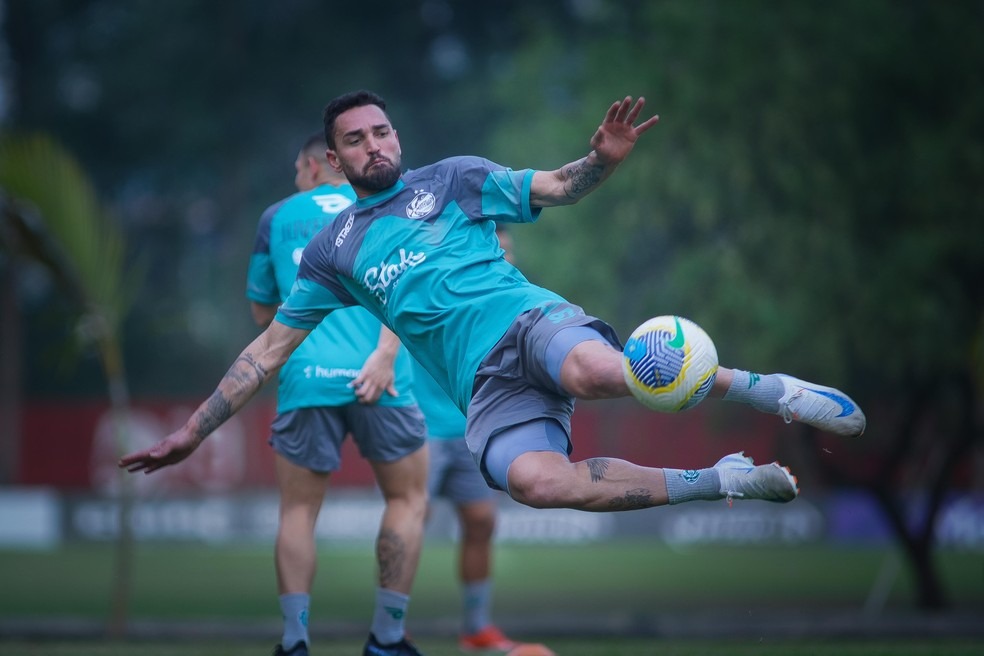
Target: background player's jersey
point(423, 257)
point(319, 371)
point(444, 420)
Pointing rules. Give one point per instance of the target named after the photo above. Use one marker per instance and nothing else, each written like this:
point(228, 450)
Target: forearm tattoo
point(218, 408)
point(597, 468)
point(391, 552)
point(632, 500)
point(581, 178)
point(216, 411)
point(240, 375)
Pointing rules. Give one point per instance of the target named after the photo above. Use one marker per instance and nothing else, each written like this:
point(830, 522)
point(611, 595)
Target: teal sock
point(692, 485)
point(478, 603)
point(295, 611)
point(389, 615)
point(762, 392)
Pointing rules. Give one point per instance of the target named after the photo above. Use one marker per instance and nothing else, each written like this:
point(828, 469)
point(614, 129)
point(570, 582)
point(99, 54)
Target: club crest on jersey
point(423, 203)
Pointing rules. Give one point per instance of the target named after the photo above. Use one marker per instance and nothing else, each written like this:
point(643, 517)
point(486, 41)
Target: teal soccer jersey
point(444, 420)
point(318, 373)
point(423, 257)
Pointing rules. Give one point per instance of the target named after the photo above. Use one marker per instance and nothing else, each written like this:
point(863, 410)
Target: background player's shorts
point(312, 437)
point(453, 473)
point(513, 384)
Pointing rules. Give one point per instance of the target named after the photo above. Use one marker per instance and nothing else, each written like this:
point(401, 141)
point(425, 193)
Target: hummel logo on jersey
point(378, 279)
point(347, 228)
point(423, 203)
point(332, 203)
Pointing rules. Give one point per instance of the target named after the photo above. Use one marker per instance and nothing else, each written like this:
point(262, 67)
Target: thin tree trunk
point(10, 359)
point(123, 561)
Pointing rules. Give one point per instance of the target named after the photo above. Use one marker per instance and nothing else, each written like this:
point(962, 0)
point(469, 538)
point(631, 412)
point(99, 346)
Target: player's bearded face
point(378, 173)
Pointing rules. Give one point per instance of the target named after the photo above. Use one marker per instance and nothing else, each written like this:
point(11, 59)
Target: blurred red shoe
point(488, 639)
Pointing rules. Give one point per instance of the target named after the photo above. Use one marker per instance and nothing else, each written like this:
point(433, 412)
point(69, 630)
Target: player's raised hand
point(617, 134)
point(172, 449)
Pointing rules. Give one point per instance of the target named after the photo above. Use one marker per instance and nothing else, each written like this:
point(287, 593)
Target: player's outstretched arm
point(254, 366)
point(612, 142)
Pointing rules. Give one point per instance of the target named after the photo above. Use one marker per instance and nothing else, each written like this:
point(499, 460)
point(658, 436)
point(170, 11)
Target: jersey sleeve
point(261, 279)
point(489, 191)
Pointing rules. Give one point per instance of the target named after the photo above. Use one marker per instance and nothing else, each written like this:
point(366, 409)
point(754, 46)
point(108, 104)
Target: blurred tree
point(812, 197)
point(51, 213)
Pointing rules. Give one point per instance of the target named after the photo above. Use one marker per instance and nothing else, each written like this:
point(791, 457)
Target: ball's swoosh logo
point(678, 339)
point(846, 406)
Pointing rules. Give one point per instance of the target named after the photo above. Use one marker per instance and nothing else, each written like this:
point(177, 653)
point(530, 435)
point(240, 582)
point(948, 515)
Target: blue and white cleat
point(822, 407)
point(742, 479)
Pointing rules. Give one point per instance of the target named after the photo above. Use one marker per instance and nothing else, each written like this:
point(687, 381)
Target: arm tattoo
point(217, 410)
point(390, 552)
point(581, 178)
point(240, 376)
point(597, 468)
point(633, 500)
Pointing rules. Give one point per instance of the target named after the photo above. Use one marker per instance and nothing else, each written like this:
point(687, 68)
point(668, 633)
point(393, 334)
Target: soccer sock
point(477, 597)
point(762, 392)
point(295, 611)
point(387, 618)
point(692, 485)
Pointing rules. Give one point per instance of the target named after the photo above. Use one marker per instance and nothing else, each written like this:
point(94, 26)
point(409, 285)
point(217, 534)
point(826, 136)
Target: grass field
point(607, 647)
point(634, 597)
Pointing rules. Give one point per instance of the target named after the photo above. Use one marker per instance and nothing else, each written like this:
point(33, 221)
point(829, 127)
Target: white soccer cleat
point(742, 479)
point(822, 407)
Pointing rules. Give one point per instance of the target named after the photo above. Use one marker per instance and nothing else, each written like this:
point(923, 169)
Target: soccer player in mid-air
point(418, 250)
point(351, 375)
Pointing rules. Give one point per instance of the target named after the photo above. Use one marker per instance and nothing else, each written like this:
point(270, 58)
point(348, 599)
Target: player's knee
point(547, 488)
point(590, 376)
point(478, 529)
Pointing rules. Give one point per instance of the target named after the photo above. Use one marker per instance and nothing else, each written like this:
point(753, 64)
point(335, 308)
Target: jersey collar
point(382, 196)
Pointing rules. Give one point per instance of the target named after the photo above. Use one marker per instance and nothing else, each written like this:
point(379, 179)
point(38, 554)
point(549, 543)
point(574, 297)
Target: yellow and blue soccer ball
point(669, 363)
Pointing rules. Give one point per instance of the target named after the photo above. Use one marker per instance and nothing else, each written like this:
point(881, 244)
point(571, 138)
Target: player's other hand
point(172, 449)
point(376, 378)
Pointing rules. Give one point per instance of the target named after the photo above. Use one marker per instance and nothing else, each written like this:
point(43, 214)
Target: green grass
point(640, 577)
point(609, 647)
point(641, 584)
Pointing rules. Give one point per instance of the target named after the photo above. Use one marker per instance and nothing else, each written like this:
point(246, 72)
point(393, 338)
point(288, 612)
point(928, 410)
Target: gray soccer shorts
point(453, 473)
point(312, 437)
point(514, 384)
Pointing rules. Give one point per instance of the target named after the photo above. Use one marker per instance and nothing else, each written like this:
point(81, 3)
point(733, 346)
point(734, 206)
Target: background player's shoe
point(741, 479)
point(402, 648)
point(822, 407)
point(299, 649)
point(488, 639)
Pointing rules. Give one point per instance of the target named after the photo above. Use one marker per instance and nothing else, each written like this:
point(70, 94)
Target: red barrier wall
point(72, 444)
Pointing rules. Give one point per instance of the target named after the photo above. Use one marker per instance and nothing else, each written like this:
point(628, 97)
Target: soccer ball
point(669, 363)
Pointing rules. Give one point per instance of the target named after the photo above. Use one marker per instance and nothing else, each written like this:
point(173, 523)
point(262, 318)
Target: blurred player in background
point(454, 476)
point(351, 375)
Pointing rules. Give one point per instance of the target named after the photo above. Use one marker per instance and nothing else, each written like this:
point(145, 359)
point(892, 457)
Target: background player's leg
point(301, 494)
